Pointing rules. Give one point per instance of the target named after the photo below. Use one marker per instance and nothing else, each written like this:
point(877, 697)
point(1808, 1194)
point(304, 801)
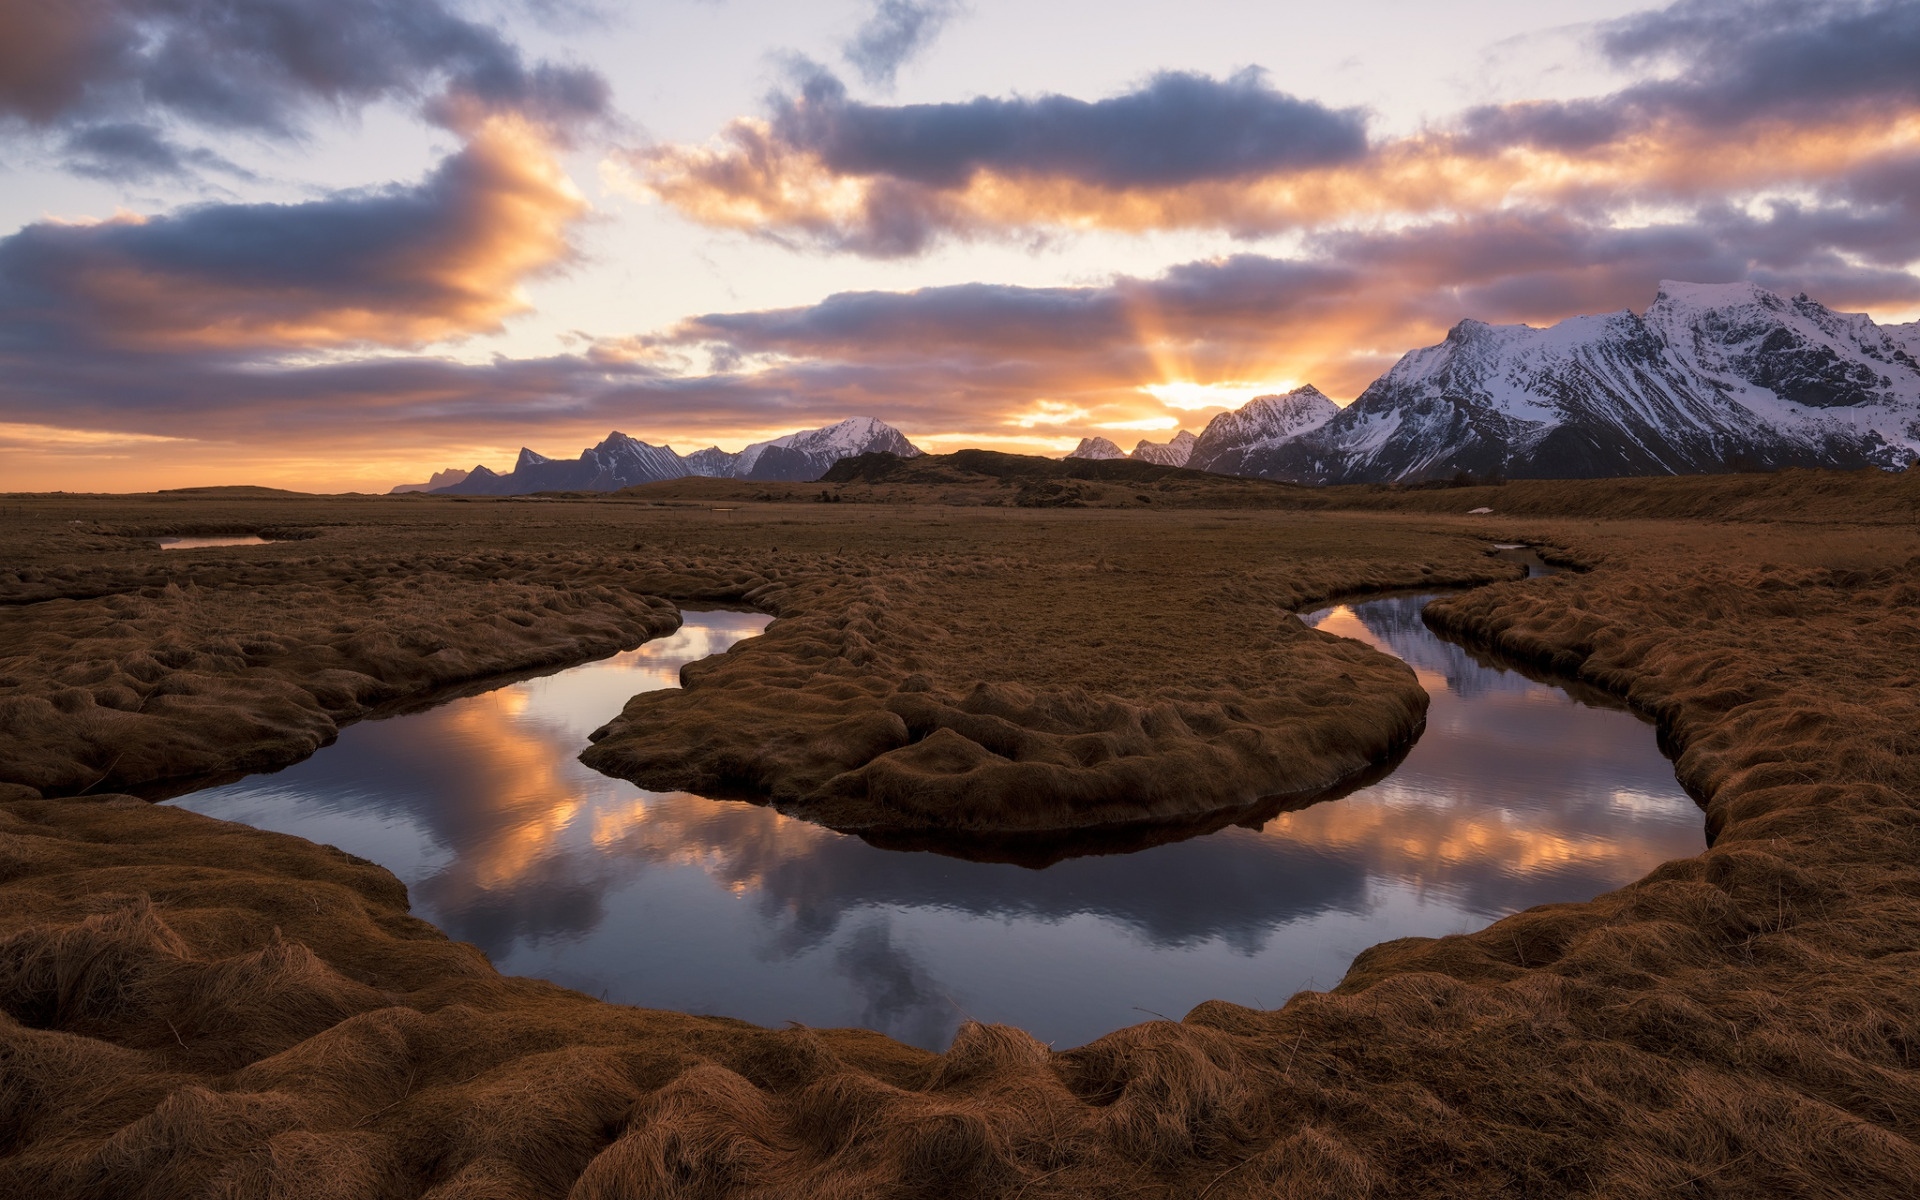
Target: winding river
point(1518, 793)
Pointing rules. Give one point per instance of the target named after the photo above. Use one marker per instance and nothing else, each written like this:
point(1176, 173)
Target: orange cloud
point(404, 266)
point(751, 180)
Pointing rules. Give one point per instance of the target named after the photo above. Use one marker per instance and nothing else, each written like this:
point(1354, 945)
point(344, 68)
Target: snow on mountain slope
point(806, 455)
point(1799, 367)
point(1907, 337)
point(1097, 447)
point(712, 462)
point(1234, 443)
point(621, 461)
point(1710, 378)
point(1172, 453)
point(618, 461)
point(802, 456)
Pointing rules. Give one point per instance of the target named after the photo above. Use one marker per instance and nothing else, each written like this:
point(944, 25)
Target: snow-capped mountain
point(1712, 377)
point(1237, 443)
point(804, 456)
point(621, 461)
point(618, 461)
point(446, 478)
point(1097, 447)
point(1174, 453)
point(713, 462)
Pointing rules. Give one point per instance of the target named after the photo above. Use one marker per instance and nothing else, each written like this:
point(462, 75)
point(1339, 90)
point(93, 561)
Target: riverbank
point(194, 1005)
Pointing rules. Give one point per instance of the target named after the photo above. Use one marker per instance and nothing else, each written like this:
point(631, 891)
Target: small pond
point(201, 543)
point(1516, 794)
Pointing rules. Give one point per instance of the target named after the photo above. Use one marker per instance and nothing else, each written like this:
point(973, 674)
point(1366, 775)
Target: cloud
point(204, 323)
point(1021, 367)
point(130, 151)
point(396, 266)
point(883, 180)
point(264, 66)
point(893, 33)
point(236, 321)
point(1738, 60)
point(989, 357)
point(1733, 65)
point(1754, 98)
point(1178, 128)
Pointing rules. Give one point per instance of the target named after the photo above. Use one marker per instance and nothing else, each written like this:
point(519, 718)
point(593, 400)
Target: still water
point(1517, 794)
point(201, 543)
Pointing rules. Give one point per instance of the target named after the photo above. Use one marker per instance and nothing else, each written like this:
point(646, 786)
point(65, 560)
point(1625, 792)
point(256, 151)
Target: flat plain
point(194, 1007)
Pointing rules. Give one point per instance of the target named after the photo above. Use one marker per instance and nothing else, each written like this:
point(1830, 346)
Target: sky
point(337, 245)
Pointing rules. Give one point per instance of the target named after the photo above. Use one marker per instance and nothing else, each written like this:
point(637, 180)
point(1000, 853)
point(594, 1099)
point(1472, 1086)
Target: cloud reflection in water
point(1516, 795)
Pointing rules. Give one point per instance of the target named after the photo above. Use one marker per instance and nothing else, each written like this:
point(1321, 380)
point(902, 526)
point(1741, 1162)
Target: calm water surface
point(1515, 795)
point(201, 543)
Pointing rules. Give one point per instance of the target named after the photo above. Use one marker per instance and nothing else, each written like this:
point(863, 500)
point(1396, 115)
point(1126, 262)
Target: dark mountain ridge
point(620, 461)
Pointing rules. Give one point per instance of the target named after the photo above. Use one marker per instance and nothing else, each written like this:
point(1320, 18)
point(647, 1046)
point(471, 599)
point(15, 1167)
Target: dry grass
point(163, 681)
point(1094, 670)
point(1149, 671)
point(976, 478)
point(197, 1008)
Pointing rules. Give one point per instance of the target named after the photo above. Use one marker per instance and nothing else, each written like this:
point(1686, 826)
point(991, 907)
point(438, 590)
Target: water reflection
point(1515, 795)
point(201, 543)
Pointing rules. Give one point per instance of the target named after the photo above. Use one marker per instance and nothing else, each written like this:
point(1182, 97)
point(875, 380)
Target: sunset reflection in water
point(1515, 795)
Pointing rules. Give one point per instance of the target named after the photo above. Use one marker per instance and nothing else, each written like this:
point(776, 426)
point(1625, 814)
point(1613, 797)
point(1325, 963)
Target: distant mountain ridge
point(1712, 377)
point(446, 478)
point(1173, 453)
point(622, 461)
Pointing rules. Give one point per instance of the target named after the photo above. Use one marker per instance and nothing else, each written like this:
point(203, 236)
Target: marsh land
point(200, 1007)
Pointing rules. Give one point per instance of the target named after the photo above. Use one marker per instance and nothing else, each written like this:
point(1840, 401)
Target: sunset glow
point(314, 277)
point(1191, 396)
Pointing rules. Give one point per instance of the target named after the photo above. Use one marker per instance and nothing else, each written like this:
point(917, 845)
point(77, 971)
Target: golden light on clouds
point(460, 245)
point(750, 179)
point(945, 443)
point(1049, 412)
point(56, 438)
point(1189, 396)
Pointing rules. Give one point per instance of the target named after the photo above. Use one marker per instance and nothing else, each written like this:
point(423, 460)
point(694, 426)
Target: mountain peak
point(529, 459)
point(1304, 403)
point(1716, 295)
point(1173, 452)
point(804, 455)
point(1097, 447)
point(1688, 300)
